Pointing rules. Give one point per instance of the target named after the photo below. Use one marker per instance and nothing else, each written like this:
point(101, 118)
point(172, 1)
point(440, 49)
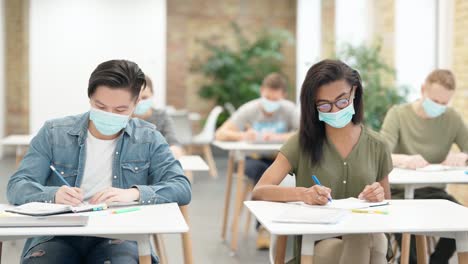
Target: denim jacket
point(142, 159)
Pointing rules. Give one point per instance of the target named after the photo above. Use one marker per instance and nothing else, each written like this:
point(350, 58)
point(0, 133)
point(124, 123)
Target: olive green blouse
point(369, 161)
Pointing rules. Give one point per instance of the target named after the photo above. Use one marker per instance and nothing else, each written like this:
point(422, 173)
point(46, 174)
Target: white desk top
point(16, 140)
point(405, 216)
point(246, 146)
point(151, 219)
point(403, 176)
point(193, 163)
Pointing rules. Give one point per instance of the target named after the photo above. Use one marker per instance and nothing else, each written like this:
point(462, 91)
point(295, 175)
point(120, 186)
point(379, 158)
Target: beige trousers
point(352, 249)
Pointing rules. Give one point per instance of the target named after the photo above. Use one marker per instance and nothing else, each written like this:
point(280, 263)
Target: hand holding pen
point(67, 194)
point(317, 194)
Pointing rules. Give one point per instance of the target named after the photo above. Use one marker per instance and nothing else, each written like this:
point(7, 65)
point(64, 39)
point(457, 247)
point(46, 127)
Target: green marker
point(126, 210)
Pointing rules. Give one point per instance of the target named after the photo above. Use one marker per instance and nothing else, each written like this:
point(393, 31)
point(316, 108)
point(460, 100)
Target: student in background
point(105, 156)
point(164, 124)
point(269, 118)
point(349, 159)
point(422, 133)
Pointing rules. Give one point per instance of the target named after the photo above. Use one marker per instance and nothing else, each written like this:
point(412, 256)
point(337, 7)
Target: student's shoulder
point(67, 121)
point(145, 132)
point(374, 138)
point(252, 105)
point(400, 110)
point(453, 115)
point(293, 141)
point(141, 126)
point(288, 105)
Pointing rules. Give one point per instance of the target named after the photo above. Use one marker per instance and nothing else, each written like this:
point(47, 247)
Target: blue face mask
point(338, 119)
point(143, 106)
point(108, 123)
point(432, 108)
point(270, 106)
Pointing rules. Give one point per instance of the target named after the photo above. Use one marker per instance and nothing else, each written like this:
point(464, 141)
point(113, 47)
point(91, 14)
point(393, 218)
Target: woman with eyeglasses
point(349, 159)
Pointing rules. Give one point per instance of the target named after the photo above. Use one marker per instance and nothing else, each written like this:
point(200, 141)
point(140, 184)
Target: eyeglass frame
point(336, 101)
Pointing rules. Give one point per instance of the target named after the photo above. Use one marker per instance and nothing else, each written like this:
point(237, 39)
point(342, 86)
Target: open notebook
point(348, 203)
point(332, 213)
point(44, 209)
point(298, 214)
point(440, 167)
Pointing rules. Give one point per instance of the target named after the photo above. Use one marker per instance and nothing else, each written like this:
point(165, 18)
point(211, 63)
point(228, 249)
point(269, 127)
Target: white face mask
point(270, 106)
point(108, 123)
point(432, 108)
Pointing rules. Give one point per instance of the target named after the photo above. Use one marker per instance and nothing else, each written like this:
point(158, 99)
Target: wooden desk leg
point(20, 152)
point(189, 175)
point(421, 249)
point(462, 258)
point(144, 249)
point(280, 255)
point(238, 204)
point(307, 259)
point(211, 163)
point(186, 238)
point(462, 247)
point(227, 197)
point(160, 248)
point(405, 246)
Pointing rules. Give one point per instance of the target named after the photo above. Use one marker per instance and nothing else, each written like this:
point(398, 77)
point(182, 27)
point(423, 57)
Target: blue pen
point(59, 176)
point(316, 180)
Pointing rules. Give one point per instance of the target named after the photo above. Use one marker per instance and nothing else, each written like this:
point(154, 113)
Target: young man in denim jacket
point(105, 156)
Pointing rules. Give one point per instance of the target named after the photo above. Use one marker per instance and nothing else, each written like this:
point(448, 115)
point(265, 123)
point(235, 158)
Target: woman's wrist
point(299, 193)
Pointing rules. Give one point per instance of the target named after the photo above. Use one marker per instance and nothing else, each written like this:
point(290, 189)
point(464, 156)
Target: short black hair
point(117, 74)
point(312, 131)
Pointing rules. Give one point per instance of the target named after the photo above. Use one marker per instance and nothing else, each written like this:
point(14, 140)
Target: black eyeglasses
point(340, 104)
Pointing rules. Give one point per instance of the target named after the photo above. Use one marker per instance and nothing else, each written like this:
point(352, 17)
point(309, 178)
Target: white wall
point(2, 73)
point(415, 42)
point(353, 22)
point(68, 39)
point(445, 26)
point(308, 47)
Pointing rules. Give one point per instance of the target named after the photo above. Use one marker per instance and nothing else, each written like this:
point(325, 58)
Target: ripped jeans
point(90, 250)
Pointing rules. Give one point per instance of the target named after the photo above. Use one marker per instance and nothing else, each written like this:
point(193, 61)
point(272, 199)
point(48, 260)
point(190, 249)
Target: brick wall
point(328, 29)
point(460, 57)
point(16, 66)
point(384, 28)
point(460, 68)
point(188, 21)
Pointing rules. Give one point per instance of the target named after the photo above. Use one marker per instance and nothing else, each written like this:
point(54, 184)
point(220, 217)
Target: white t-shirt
point(98, 166)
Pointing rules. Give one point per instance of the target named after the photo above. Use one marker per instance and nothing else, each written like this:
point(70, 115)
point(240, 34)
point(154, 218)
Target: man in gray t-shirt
point(270, 118)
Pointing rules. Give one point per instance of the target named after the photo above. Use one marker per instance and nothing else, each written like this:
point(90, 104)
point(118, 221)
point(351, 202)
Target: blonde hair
point(442, 77)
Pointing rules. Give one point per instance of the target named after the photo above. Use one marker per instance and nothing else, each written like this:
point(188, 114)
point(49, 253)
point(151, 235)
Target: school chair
point(206, 136)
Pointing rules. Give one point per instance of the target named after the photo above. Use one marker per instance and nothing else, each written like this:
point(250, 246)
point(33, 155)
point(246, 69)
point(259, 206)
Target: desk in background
point(413, 179)
point(238, 151)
